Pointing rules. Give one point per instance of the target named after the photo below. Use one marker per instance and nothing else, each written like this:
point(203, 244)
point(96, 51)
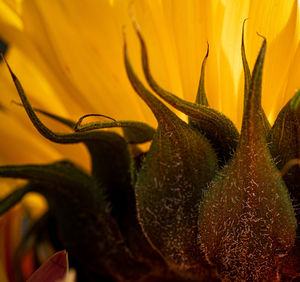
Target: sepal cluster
point(205, 202)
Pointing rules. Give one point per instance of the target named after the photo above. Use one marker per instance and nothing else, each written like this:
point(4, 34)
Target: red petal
point(53, 269)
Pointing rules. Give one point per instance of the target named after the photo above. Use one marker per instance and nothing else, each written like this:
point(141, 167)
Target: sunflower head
point(204, 203)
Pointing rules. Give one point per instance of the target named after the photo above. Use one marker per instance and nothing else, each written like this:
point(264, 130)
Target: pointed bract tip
point(244, 22)
point(207, 50)
point(124, 33)
point(132, 18)
point(243, 31)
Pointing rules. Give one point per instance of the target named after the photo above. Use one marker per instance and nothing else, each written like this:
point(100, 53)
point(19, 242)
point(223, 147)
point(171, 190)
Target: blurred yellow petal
point(3, 276)
point(234, 15)
point(25, 147)
point(36, 205)
point(10, 231)
point(187, 30)
point(219, 78)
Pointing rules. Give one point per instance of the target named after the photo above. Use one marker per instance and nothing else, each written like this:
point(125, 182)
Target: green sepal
point(247, 81)
point(87, 230)
point(284, 140)
point(108, 150)
point(13, 198)
point(138, 132)
point(62, 173)
point(99, 143)
point(246, 219)
point(134, 132)
point(247, 73)
point(110, 157)
point(216, 127)
point(178, 165)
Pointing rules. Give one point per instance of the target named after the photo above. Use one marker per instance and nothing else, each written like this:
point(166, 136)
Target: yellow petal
point(85, 54)
point(278, 21)
point(293, 81)
point(187, 34)
point(220, 83)
point(3, 276)
point(35, 204)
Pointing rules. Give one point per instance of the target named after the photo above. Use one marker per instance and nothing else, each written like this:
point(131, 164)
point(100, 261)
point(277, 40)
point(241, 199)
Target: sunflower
point(179, 192)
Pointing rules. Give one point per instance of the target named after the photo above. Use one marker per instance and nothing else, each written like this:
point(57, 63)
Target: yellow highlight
point(9, 16)
point(36, 204)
